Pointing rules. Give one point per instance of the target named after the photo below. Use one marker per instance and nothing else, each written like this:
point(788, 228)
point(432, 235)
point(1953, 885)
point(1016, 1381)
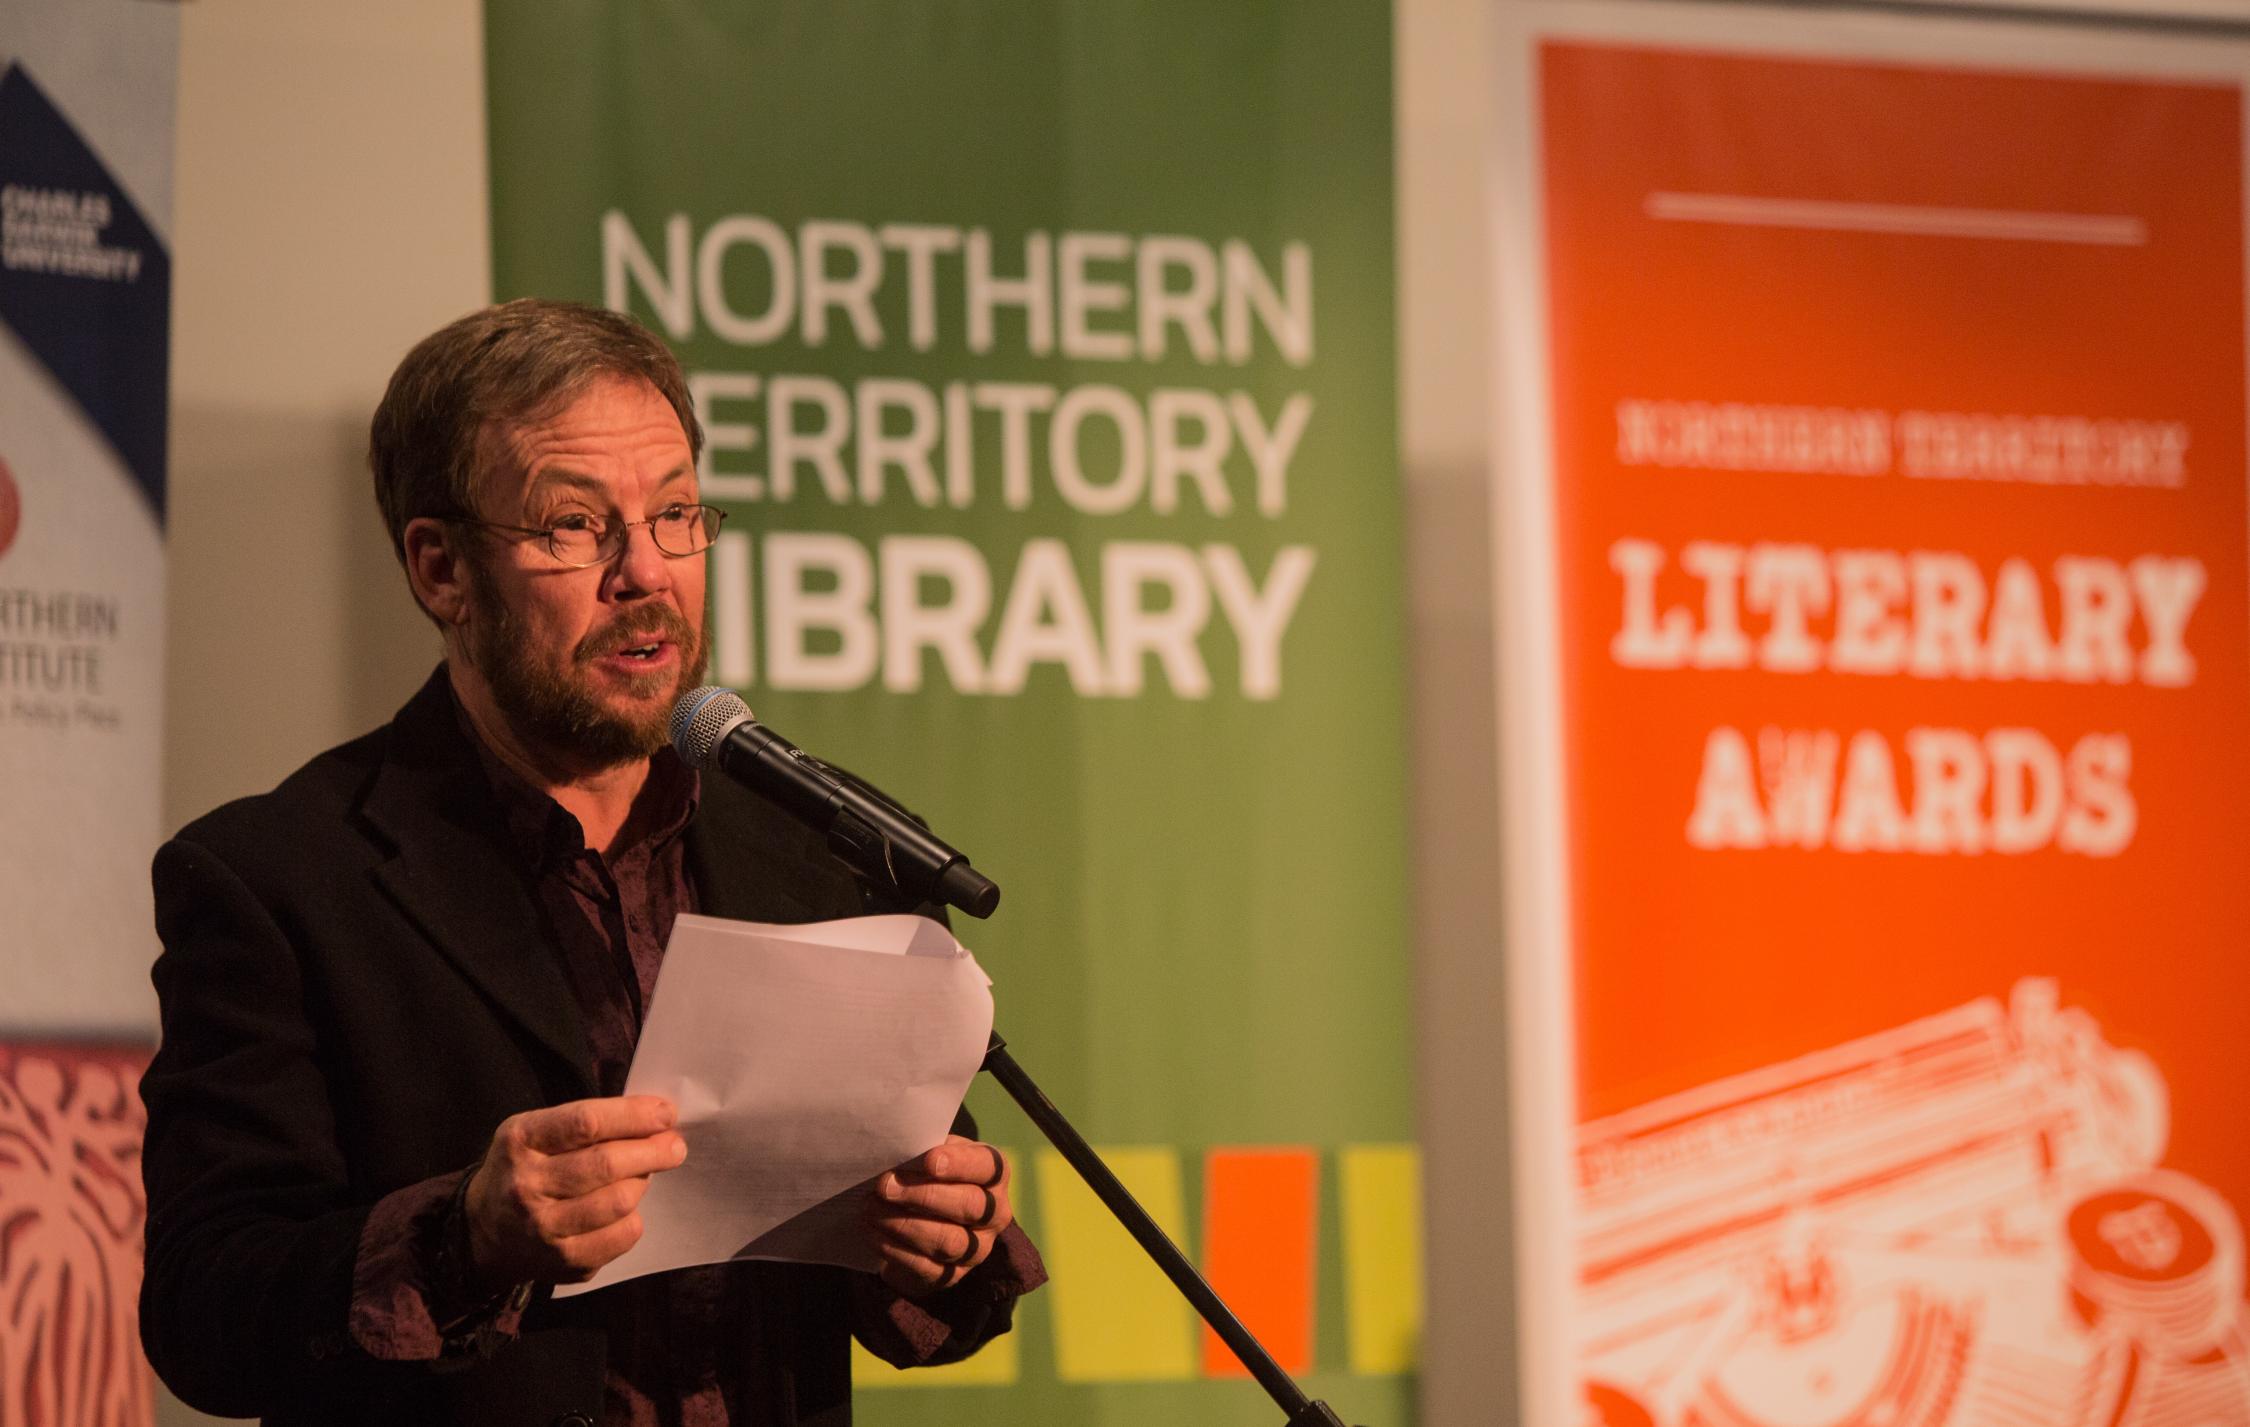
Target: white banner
point(86, 97)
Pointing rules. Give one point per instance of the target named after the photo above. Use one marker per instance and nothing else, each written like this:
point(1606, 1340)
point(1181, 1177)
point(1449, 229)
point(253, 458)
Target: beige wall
point(1445, 113)
point(331, 210)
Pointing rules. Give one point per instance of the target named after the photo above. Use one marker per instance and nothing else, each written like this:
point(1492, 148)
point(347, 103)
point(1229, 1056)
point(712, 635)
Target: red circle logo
point(11, 508)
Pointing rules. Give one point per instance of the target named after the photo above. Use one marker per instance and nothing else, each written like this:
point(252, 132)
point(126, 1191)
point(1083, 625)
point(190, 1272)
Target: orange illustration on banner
point(71, 1211)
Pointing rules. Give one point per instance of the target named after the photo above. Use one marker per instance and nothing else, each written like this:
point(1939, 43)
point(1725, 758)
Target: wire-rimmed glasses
point(581, 540)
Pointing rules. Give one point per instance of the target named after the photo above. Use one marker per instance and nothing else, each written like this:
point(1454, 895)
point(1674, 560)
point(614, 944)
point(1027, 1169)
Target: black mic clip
point(863, 846)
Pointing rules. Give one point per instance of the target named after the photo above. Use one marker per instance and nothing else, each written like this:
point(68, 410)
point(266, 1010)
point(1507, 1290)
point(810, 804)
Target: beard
point(565, 709)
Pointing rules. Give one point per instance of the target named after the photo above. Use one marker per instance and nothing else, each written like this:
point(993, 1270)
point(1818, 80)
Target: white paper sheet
point(805, 1061)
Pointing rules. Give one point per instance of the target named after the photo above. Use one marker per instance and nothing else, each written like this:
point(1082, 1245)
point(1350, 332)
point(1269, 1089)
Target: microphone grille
point(701, 718)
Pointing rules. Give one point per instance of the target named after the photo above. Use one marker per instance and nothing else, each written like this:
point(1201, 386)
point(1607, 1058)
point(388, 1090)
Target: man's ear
point(437, 572)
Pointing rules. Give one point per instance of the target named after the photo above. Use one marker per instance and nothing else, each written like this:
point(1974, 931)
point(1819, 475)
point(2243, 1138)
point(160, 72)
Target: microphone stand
point(868, 851)
point(1301, 1410)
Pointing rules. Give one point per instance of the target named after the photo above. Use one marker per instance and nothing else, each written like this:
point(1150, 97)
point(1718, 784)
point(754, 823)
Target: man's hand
point(559, 1192)
point(935, 1216)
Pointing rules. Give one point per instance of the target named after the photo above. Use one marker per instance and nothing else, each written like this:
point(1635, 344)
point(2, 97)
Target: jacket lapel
point(451, 877)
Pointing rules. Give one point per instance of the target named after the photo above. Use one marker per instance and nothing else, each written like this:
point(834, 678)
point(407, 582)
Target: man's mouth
point(653, 646)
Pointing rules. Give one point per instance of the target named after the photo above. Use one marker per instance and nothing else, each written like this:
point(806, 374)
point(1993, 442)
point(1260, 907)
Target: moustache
point(658, 623)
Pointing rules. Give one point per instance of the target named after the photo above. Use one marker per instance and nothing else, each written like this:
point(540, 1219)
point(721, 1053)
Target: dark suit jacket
point(355, 993)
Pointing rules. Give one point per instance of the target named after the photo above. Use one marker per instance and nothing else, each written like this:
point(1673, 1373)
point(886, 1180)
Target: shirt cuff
point(953, 1322)
point(411, 1295)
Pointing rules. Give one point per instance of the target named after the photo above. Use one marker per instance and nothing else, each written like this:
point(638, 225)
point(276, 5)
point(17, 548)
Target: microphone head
point(701, 718)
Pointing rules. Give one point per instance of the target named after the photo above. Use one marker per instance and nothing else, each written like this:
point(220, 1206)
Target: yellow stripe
point(1116, 1318)
point(1382, 1212)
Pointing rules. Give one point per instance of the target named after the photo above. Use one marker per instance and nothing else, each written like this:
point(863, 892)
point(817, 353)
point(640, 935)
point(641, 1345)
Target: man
point(401, 991)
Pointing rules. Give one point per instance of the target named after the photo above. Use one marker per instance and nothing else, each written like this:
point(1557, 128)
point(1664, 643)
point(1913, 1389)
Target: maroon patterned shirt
point(672, 1359)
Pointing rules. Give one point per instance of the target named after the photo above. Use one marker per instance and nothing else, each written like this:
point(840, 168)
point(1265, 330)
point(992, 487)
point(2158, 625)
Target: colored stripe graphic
point(1382, 1204)
point(1261, 1219)
point(1117, 1319)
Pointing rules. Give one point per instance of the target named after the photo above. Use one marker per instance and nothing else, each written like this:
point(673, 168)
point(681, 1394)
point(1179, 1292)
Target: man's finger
point(559, 1129)
point(582, 1255)
point(582, 1171)
point(569, 1218)
point(911, 1273)
point(971, 1204)
point(958, 1161)
point(920, 1271)
point(933, 1239)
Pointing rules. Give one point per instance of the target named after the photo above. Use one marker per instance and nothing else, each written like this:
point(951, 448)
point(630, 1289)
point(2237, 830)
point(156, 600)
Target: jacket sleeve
point(411, 1296)
point(947, 1326)
point(253, 1230)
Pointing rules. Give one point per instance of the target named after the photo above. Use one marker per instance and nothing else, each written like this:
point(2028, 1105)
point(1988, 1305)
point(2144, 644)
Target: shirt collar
point(546, 834)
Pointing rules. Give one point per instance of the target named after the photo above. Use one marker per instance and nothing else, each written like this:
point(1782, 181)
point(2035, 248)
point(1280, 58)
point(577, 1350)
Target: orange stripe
point(1261, 1214)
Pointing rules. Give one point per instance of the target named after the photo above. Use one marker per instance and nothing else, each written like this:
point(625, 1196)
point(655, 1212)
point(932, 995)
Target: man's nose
point(638, 568)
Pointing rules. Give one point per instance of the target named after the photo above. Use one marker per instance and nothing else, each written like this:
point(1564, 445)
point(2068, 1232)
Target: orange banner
point(1900, 494)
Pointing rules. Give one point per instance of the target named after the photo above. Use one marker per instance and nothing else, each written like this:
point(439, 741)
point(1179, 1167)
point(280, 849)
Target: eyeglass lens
point(682, 530)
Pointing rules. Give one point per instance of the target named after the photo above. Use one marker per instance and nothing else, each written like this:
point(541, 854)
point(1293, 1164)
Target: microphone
point(713, 728)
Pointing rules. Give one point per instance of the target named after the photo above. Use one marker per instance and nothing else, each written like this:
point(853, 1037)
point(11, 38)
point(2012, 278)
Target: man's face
point(588, 662)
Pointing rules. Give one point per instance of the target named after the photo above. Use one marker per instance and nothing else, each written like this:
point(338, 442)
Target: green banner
point(1046, 358)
